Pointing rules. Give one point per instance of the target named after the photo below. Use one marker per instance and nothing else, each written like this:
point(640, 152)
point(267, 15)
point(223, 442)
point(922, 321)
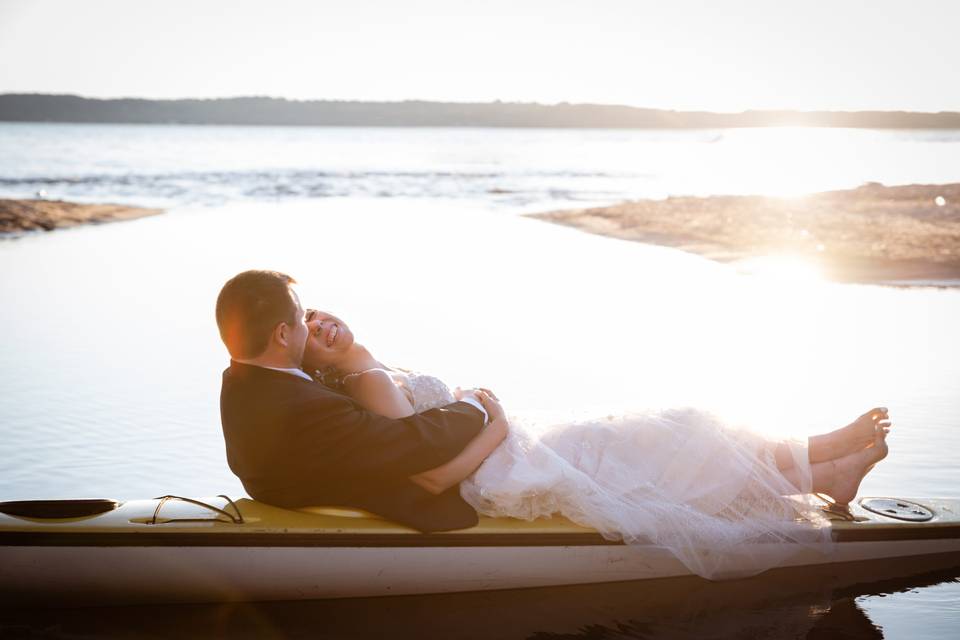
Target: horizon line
point(469, 102)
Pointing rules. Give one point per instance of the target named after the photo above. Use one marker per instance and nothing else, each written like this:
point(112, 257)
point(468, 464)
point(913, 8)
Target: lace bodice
point(427, 392)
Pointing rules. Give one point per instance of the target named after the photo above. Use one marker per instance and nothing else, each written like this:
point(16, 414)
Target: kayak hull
point(105, 575)
point(122, 557)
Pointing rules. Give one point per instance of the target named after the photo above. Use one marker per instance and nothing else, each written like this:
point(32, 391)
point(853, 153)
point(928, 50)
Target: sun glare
point(792, 159)
point(784, 268)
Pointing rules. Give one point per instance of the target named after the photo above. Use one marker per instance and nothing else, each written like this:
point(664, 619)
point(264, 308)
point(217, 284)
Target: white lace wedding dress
point(679, 479)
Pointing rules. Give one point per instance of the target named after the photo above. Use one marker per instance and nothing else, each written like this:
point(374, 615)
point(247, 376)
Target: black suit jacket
point(295, 443)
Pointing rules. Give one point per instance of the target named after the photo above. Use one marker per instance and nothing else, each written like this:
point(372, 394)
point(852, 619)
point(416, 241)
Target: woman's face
point(328, 342)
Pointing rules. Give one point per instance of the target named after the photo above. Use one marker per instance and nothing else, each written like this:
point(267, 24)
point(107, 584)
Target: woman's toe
point(871, 417)
point(881, 439)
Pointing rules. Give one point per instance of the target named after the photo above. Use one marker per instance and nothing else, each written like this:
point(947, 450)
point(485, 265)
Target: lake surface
point(111, 363)
point(511, 169)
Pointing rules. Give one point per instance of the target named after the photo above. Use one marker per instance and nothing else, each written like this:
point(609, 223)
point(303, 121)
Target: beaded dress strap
point(360, 373)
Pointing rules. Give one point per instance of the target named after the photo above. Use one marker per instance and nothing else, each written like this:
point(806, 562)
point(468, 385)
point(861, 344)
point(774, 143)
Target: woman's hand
point(460, 394)
point(491, 404)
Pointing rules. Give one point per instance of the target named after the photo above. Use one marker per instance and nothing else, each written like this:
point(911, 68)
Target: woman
point(723, 500)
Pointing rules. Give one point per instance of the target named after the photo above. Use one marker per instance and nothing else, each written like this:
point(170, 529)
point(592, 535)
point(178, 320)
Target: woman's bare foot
point(850, 470)
point(857, 435)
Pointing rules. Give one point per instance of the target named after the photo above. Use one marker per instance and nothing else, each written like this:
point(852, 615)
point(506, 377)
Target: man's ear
point(281, 334)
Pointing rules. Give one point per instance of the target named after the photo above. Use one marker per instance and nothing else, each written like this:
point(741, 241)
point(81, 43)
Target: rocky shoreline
point(19, 216)
point(870, 234)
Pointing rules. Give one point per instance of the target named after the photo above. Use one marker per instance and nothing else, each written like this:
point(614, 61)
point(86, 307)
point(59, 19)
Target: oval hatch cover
point(899, 509)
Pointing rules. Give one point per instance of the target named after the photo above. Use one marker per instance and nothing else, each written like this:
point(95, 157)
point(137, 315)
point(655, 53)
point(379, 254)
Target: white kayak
point(215, 550)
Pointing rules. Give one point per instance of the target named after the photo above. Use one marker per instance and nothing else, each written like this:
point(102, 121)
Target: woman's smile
point(332, 334)
point(328, 332)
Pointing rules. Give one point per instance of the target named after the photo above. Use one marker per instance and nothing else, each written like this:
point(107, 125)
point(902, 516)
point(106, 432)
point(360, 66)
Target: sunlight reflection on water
point(786, 270)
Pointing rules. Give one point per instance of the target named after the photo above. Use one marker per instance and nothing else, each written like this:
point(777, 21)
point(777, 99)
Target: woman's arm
point(376, 391)
point(439, 479)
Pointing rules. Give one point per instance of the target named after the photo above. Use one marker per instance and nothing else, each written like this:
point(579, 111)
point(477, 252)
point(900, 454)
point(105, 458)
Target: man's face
point(298, 331)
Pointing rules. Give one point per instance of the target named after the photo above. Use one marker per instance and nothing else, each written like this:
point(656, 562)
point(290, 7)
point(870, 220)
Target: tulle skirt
point(681, 479)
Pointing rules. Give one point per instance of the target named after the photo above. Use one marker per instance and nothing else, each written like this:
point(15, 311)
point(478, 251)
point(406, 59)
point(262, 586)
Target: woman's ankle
point(821, 448)
point(824, 476)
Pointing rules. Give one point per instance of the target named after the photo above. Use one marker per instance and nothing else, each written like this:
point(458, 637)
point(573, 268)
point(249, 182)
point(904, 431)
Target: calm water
point(110, 370)
point(509, 168)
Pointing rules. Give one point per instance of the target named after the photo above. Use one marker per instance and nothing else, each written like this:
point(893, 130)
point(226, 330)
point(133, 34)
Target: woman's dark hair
point(249, 307)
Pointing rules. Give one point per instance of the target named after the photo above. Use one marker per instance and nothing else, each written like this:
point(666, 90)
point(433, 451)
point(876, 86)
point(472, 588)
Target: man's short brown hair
point(250, 306)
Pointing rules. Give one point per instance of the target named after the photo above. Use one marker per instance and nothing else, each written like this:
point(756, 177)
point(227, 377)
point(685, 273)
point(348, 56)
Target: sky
point(725, 56)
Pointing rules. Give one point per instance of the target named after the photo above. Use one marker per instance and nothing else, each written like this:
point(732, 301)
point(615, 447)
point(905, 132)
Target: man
point(294, 442)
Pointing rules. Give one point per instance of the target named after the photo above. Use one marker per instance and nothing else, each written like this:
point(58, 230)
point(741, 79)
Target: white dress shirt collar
point(293, 372)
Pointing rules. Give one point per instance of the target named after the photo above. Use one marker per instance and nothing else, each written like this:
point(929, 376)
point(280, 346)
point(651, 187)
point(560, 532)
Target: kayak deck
point(219, 521)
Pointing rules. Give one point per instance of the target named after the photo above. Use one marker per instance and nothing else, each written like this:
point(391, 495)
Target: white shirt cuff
point(476, 403)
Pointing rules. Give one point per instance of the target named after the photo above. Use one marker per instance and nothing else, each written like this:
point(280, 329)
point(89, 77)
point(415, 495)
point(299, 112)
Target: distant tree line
point(417, 113)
